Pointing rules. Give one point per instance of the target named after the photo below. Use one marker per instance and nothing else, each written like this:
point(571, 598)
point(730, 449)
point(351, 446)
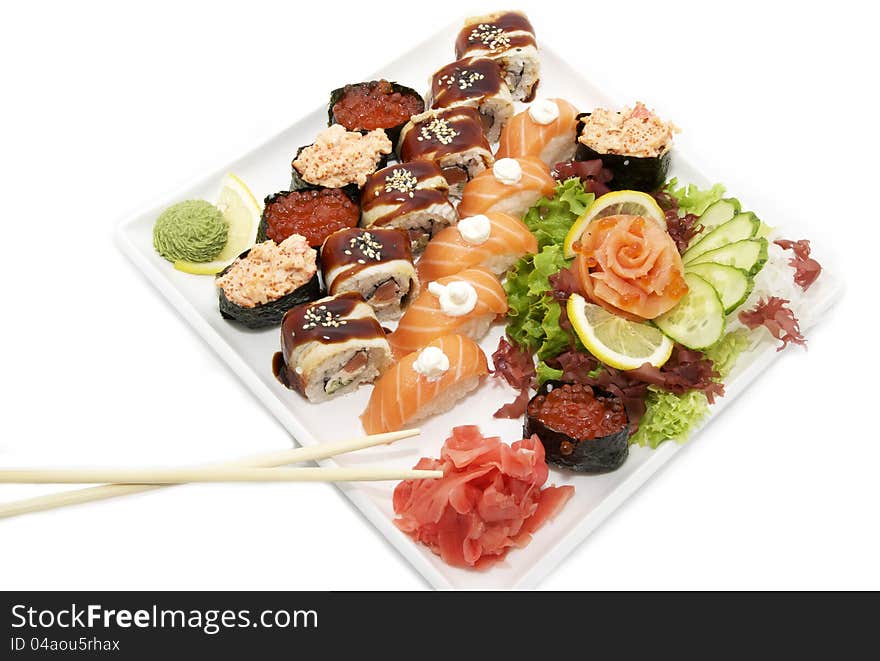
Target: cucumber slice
point(697, 321)
point(742, 226)
point(719, 213)
point(748, 255)
point(733, 285)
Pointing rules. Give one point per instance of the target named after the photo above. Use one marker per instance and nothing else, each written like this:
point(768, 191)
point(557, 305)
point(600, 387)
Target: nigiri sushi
point(547, 130)
point(467, 303)
point(511, 186)
point(425, 383)
point(494, 240)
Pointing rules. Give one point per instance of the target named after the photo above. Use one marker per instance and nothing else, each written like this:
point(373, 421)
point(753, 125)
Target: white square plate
point(266, 170)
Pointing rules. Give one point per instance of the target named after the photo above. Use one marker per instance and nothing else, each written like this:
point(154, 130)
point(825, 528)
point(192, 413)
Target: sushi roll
point(511, 186)
point(582, 429)
point(330, 347)
point(508, 38)
point(547, 130)
point(314, 213)
point(466, 303)
point(494, 241)
point(267, 280)
point(377, 104)
point(377, 264)
point(475, 82)
point(425, 383)
point(453, 138)
point(339, 158)
point(410, 196)
point(634, 144)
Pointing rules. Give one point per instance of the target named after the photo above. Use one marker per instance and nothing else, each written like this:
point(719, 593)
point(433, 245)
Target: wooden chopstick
point(268, 460)
point(220, 474)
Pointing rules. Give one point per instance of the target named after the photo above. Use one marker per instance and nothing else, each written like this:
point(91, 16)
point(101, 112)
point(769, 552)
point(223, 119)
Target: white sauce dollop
point(431, 363)
point(507, 171)
point(475, 229)
point(456, 299)
point(545, 111)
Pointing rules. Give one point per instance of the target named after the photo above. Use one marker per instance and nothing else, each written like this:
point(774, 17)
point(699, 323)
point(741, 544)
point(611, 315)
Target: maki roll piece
point(476, 82)
point(634, 144)
point(377, 264)
point(583, 428)
point(330, 347)
point(340, 158)
point(453, 138)
point(314, 213)
point(410, 196)
point(508, 38)
point(267, 280)
point(377, 104)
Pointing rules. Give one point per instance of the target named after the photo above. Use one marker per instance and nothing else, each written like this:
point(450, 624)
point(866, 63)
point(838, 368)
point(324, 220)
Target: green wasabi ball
point(193, 231)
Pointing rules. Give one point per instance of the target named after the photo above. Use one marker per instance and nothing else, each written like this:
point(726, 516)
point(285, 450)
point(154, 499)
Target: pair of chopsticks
point(261, 468)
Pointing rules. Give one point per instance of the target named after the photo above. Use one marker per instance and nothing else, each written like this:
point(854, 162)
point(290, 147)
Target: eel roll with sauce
point(453, 138)
point(376, 104)
point(313, 212)
point(634, 144)
point(330, 347)
point(410, 196)
point(376, 263)
point(583, 428)
point(476, 82)
point(267, 280)
point(508, 38)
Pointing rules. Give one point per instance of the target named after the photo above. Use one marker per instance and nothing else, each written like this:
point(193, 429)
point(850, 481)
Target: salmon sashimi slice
point(402, 395)
point(425, 319)
point(552, 143)
point(449, 253)
point(630, 264)
point(485, 193)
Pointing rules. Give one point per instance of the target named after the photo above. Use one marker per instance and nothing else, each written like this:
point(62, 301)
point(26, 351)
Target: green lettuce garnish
point(725, 351)
point(670, 417)
point(551, 218)
point(546, 373)
point(691, 199)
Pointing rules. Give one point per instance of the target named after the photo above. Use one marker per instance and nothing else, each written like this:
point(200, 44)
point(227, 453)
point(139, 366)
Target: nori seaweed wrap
point(314, 212)
point(374, 104)
point(601, 449)
point(297, 182)
point(639, 173)
point(268, 313)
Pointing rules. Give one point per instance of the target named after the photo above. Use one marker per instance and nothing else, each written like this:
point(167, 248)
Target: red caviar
point(575, 411)
point(375, 105)
point(315, 214)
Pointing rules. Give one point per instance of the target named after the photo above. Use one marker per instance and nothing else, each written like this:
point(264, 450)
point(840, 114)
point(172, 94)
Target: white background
point(107, 106)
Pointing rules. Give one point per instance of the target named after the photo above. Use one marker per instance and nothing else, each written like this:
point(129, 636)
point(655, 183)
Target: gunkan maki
point(339, 158)
point(376, 104)
point(312, 212)
point(267, 280)
point(634, 144)
point(583, 428)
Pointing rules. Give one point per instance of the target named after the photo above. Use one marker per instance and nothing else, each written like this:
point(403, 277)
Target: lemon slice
point(614, 340)
point(627, 202)
point(242, 211)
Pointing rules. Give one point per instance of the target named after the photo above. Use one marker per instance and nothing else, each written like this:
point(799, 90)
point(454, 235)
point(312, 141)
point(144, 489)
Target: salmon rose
point(630, 266)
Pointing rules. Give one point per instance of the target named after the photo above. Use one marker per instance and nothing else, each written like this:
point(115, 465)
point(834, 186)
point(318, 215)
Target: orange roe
point(575, 411)
point(315, 214)
point(375, 105)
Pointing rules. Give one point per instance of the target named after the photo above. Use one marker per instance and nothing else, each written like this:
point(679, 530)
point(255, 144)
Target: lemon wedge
point(614, 340)
point(242, 211)
point(626, 202)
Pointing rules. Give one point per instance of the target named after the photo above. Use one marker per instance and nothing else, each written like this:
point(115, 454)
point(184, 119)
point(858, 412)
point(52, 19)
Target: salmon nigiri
point(511, 186)
point(465, 303)
point(425, 383)
point(547, 130)
point(494, 240)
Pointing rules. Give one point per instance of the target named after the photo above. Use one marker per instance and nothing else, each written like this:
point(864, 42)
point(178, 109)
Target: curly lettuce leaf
point(725, 352)
point(551, 218)
point(533, 314)
point(546, 373)
point(669, 417)
point(691, 199)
